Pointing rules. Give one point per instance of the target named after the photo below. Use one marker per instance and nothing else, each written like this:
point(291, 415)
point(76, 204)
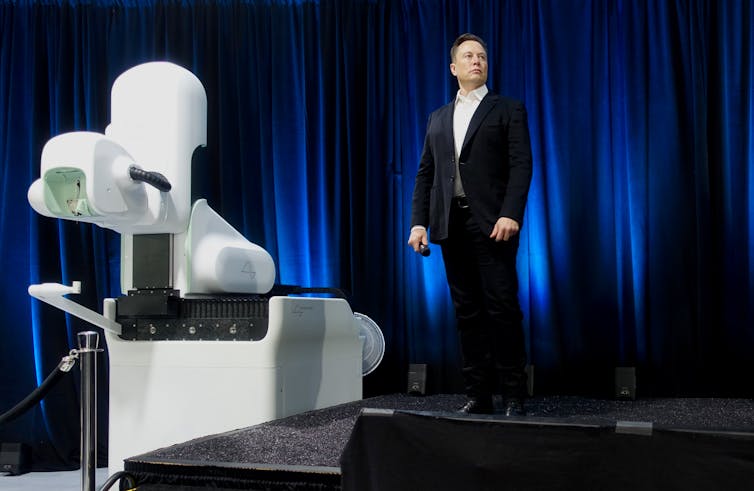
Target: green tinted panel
point(65, 192)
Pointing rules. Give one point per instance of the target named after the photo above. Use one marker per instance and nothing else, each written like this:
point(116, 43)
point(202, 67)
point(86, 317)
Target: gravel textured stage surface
point(317, 438)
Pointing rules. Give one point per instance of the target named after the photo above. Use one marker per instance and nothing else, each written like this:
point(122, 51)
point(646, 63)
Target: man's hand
point(504, 229)
point(418, 237)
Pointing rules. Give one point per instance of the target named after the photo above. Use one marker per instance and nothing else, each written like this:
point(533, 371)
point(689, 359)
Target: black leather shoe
point(514, 406)
point(478, 405)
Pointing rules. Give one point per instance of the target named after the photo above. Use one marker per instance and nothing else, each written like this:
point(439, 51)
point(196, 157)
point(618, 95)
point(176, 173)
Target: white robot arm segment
point(85, 177)
point(221, 260)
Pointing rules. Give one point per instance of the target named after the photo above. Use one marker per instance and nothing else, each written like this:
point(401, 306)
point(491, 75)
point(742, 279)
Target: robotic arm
point(136, 179)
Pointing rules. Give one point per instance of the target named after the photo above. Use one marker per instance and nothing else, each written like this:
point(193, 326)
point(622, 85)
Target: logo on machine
point(299, 309)
point(247, 269)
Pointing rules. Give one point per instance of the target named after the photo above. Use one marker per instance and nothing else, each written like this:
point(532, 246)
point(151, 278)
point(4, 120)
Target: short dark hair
point(462, 39)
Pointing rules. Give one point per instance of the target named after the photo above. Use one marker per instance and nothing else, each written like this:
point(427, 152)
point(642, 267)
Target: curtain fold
point(638, 242)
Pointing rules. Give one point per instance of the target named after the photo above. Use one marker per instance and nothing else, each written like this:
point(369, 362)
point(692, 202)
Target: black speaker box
point(625, 383)
point(417, 379)
point(14, 458)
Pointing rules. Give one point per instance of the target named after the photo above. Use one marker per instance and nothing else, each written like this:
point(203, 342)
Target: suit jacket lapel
point(485, 105)
point(447, 123)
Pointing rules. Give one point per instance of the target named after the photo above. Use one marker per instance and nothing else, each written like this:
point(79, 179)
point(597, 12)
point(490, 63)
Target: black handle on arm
point(150, 177)
point(424, 250)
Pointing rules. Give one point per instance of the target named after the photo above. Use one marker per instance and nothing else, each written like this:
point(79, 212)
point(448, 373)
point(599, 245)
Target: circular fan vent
point(373, 343)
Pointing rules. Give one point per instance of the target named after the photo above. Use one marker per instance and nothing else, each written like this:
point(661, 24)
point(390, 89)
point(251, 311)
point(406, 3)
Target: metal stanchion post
point(88, 348)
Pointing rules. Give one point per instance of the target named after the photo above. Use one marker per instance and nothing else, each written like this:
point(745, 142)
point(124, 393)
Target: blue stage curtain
point(638, 242)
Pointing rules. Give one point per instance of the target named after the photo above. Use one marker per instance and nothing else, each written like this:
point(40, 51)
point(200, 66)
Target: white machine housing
point(167, 392)
point(164, 392)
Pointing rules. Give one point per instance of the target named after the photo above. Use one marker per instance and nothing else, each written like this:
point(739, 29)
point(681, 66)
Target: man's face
point(470, 65)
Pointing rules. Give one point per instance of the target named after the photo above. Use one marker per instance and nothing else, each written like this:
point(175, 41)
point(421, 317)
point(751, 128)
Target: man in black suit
point(470, 191)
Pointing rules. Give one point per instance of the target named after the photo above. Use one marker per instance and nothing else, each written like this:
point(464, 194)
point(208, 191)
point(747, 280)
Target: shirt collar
point(475, 95)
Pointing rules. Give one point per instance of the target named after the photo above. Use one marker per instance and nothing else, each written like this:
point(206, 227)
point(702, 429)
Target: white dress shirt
point(465, 106)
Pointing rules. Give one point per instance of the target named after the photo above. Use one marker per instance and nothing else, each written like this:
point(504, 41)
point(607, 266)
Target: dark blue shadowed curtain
point(638, 242)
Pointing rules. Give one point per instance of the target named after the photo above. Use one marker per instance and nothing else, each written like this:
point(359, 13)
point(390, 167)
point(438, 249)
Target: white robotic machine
point(201, 341)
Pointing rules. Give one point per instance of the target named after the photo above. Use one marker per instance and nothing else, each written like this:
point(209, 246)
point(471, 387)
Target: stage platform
point(419, 442)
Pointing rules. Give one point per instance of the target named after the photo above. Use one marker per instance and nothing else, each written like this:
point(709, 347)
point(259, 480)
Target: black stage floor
point(305, 451)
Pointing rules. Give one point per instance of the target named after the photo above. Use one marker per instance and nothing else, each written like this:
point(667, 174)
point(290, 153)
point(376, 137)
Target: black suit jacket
point(495, 166)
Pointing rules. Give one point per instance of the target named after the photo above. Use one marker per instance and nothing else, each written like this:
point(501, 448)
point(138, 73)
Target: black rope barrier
point(29, 401)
